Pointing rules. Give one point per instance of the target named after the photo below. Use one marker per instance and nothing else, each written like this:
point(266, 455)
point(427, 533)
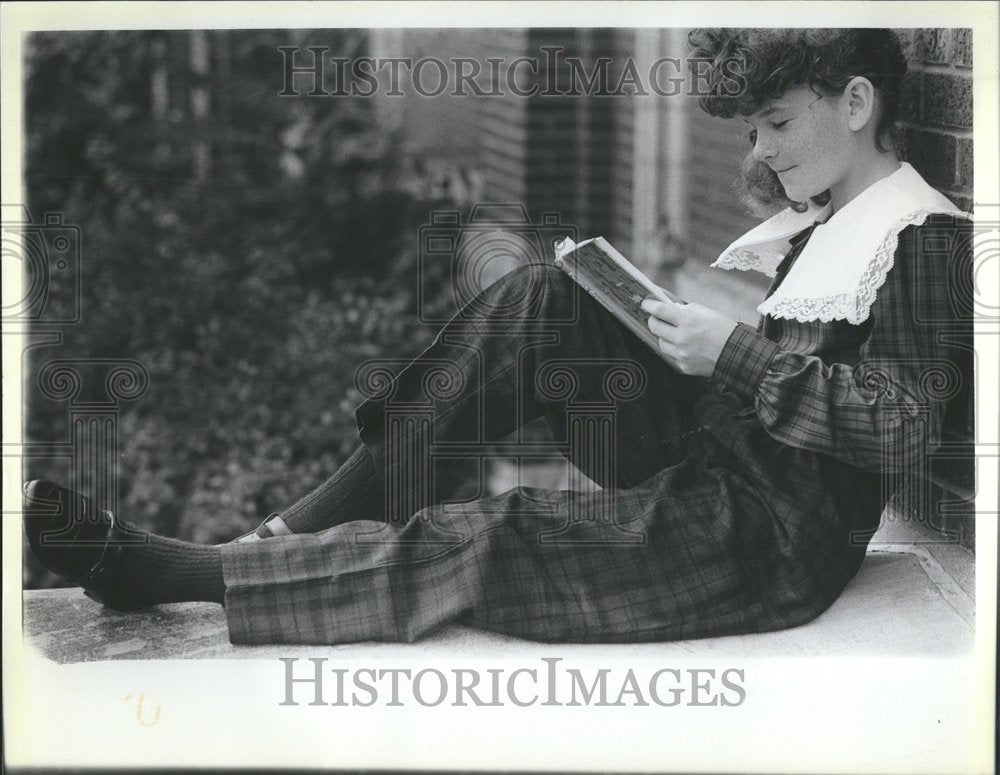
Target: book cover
point(613, 281)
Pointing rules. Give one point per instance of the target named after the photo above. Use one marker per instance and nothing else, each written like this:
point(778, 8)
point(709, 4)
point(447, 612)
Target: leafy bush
point(250, 289)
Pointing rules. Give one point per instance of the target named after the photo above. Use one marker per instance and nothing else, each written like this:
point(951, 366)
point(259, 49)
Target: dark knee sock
point(165, 570)
point(353, 492)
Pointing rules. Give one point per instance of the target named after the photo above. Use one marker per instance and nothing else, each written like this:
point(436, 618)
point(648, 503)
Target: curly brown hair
point(751, 66)
point(748, 67)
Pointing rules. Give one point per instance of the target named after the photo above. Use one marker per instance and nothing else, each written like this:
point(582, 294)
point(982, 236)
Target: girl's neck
point(866, 172)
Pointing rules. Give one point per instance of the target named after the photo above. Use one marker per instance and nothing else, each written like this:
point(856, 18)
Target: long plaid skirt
point(706, 525)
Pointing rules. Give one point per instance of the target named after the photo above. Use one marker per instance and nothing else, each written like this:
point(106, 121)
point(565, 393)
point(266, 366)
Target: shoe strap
point(277, 526)
point(98, 578)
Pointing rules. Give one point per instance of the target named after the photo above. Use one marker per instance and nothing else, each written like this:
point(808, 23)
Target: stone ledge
point(902, 603)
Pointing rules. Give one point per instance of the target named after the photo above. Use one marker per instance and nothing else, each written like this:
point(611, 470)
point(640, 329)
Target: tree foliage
point(250, 254)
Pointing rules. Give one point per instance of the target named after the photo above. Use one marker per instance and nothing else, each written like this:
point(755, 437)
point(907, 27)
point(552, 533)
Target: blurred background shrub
point(249, 250)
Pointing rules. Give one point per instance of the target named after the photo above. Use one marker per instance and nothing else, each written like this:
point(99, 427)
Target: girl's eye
point(752, 134)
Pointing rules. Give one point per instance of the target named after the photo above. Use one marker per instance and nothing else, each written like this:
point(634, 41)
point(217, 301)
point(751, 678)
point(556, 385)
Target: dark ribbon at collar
point(797, 242)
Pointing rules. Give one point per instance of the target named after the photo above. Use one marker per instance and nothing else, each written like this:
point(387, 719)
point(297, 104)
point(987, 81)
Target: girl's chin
point(801, 194)
point(798, 186)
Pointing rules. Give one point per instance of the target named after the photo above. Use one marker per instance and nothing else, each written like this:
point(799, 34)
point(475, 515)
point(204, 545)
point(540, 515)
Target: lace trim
point(747, 260)
point(854, 308)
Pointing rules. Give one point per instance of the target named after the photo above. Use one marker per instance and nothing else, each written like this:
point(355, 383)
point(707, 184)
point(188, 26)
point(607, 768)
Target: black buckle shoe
point(74, 539)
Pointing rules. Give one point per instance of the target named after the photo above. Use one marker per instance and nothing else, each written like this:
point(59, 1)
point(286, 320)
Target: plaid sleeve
point(887, 407)
point(744, 360)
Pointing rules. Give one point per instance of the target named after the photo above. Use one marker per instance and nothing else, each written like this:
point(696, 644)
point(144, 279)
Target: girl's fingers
point(669, 350)
point(665, 311)
point(662, 330)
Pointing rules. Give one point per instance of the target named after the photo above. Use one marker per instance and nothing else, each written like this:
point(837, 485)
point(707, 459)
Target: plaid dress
point(740, 503)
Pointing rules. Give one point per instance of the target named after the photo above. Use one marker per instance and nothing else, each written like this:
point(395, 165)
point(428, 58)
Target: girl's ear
point(860, 95)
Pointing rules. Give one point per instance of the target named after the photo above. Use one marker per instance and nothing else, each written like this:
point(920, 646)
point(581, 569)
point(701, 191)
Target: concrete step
point(911, 598)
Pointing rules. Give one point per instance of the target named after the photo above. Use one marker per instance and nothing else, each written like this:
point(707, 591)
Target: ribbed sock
point(353, 492)
point(165, 570)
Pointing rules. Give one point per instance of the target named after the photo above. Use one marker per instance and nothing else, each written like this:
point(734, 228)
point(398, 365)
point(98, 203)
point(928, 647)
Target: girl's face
point(805, 139)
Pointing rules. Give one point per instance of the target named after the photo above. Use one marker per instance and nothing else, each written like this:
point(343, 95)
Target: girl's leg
point(535, 563)
point(531, 345)
point(694, 552)
point(677, 546)
point(353, 492)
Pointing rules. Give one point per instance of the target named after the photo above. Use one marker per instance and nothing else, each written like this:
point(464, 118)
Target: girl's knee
point(533, 290)
point(539, 276)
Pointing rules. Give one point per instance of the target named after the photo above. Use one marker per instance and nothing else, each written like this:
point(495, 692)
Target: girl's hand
point(691, 336)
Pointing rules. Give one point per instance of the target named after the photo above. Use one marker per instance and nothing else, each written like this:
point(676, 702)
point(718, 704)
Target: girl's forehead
point(769, 108)
point(793, 99)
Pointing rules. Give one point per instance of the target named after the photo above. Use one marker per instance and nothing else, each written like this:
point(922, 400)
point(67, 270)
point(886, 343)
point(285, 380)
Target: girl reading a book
point(743, 469)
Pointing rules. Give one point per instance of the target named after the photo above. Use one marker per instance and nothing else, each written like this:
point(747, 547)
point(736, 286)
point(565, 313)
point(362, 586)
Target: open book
point(614, 281)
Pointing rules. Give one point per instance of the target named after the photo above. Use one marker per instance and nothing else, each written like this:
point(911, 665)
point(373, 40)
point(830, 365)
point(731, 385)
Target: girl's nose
point(763, 149)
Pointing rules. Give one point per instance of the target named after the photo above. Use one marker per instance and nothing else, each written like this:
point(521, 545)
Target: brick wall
point(936, 121)
point(936, 138)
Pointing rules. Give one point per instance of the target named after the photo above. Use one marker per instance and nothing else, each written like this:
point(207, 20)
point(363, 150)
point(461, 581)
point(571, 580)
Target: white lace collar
point(848, 255)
